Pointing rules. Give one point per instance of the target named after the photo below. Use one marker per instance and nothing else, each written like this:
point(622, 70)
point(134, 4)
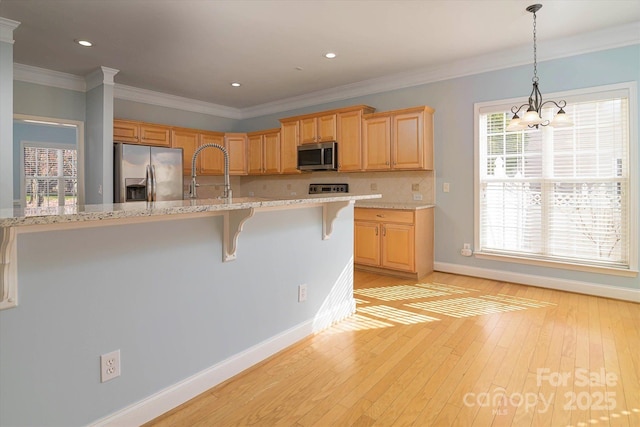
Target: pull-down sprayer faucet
point(227, 186)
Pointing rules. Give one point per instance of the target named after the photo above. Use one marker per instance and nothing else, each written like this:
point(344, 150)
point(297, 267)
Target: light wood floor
point(535, 357)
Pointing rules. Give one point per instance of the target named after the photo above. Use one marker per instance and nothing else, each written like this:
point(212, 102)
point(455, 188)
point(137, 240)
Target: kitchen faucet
point(227, 186)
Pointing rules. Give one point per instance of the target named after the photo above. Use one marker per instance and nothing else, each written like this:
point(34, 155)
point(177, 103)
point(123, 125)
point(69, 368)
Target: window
point(560, 195)
point(50, 175)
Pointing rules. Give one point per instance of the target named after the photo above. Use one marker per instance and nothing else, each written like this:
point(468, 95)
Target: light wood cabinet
point(350, 139)
point(399, 140)
point(189, 141)
point(320, 128)
point(264, 152)
point(236, 145)
point(209, 161)
point(394, 241)
point(377, 143)
point(133, 132)
point(289, 136)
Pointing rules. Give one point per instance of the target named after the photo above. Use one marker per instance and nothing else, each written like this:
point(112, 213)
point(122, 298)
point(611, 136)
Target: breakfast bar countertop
point(99, 212)
point(379, 204)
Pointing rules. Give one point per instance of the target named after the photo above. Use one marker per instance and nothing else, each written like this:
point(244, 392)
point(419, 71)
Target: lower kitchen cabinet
point(392, 241)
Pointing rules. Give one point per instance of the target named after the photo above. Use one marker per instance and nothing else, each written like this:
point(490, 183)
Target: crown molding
point(609, 38)
point(6, 30)
point(145, 96)
point(42, 76)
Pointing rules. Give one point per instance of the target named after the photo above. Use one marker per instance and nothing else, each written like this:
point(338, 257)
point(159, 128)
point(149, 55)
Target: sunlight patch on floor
point(394, 293)
point(450, 289)
point(357, 323)
point(396, 315)
point(465, 307)
point(518, 300)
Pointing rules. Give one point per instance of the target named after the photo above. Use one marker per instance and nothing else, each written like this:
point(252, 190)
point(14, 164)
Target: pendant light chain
point(535, 51)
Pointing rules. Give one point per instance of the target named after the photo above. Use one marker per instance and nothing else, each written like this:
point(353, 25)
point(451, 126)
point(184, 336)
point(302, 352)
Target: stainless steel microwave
point(317, 157)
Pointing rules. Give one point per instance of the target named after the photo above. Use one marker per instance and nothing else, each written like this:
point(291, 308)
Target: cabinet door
point(366, 243)
point(236, 145)
point(211, 159)
point(327, 127)
point(155, 135)
point(256, 157)
point(398, 246)
point(308, 131)
point(126, 131)
point(188, 141)
point(271, 147)
point(289, 147)
point(350, 141)
point(377, 143)
point(408, 141)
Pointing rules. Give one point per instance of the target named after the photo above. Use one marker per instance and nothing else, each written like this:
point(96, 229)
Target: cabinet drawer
point(384, 215)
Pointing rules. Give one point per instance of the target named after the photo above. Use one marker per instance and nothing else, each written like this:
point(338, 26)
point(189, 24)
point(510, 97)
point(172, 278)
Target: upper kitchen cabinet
point(188, 140)
point(376, 146)
point(318, 128)
point(264, 152)
point(399, 140)
point(350, 138)
point(134, 132)
point(210, 161)
point(289, 137)
point(236, 145)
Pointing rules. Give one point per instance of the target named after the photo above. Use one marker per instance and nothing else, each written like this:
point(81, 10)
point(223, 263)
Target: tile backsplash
point(396, 186)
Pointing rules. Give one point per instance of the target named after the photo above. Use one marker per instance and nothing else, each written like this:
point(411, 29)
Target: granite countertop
point(55, 215)
point(378, 204)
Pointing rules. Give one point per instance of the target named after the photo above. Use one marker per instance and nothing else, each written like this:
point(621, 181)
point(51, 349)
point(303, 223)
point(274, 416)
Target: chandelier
point(533, 116)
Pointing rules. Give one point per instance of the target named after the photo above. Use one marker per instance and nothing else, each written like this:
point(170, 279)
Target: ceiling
point(275, 48)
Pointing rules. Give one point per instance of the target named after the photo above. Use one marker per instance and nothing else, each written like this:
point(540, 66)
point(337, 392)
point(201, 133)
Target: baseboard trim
point(542, 281)
point(175, 395)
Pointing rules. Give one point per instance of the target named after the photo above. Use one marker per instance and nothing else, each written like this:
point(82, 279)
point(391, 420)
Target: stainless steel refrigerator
point(146, 173)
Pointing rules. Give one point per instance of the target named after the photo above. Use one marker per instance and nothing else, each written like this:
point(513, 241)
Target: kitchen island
point(155, 282)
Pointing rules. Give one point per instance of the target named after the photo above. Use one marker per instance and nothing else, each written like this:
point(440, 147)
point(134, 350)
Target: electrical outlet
point(302, 293)
point(109, 366)
point(415, 187)
point(417, 196)
point(466, 250)
point(445, 187)
point(374, 186)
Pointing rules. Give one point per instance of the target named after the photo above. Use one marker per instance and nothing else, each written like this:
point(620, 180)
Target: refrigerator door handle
point(154, 182)
point(149, 185)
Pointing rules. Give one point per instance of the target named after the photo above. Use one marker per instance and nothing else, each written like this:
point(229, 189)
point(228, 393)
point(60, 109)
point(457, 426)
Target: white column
point(99, 136)
point(6, 112)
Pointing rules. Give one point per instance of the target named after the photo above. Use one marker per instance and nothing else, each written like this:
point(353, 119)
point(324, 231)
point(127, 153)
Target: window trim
point(79, 147)
point(588, 93)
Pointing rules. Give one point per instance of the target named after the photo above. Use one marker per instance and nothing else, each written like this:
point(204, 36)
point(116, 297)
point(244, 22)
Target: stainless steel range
point(328, 188)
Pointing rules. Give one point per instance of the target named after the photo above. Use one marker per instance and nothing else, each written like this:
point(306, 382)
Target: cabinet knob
point(386, 163)
point(380, 215)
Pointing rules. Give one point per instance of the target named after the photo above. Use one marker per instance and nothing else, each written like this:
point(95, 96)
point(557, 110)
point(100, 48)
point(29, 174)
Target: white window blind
point(50, 175)
point(558, 194)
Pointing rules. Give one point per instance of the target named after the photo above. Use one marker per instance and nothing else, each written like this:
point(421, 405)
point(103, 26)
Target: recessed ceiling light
point(330, 55)
point(235, 84)
point(85, 43)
